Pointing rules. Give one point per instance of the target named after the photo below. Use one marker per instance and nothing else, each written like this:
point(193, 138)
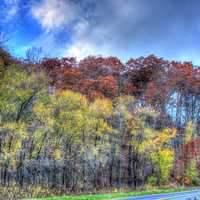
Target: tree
point(18, 91)
point(190, 132)
point(142, 143)
point(192, 173)
point(34, 55)
point(94, 124)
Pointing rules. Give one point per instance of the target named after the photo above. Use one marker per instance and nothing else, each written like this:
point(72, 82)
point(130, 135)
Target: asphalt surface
point(187, 195)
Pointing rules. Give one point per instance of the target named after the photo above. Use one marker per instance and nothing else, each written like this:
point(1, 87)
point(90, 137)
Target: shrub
point(192, 174)
point(152, 180)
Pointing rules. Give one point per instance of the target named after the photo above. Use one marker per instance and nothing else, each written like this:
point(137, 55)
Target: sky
point(122, 28)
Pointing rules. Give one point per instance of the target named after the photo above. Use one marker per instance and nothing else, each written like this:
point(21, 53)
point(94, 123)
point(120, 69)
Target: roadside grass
point(109, 196)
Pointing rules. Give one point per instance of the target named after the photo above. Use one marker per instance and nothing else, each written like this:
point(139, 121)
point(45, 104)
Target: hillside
point(69, 126)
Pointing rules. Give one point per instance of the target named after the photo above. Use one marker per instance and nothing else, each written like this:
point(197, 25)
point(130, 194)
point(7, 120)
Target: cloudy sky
point(123, 28)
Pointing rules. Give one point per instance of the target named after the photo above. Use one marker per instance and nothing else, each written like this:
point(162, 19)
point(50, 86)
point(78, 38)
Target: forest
point(86, 125)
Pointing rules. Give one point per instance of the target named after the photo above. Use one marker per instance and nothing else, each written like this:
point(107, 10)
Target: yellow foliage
point(44, 113)
point(165, 136)
point(103, 127)
point(147, 111)
point(57, 154)
point(189, 131)
point(13, 163)
point(17, 146)
point(164, 161)
point(101, 107)
point(70, 99)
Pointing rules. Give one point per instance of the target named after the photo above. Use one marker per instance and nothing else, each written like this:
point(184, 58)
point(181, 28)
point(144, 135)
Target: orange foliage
point(108, 86)
point(188, 152)
point(150, 77)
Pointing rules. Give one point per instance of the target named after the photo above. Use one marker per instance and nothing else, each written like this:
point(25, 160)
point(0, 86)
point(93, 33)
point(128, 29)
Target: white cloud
point(14, 7)
point(10, 10)
point(84, 43)
point(54, 14)
point(81, 49)
point(86, 37)
point(94, 25)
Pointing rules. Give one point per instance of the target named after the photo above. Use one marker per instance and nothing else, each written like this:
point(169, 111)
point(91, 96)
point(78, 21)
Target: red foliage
point(108, 86)
point(140, 71)
point(185, 77)
point(6, 58)
point(188, 152)
point(85, 86)
point(191, 151)
point(93, 94)
point(95, 67)
point(150, 77)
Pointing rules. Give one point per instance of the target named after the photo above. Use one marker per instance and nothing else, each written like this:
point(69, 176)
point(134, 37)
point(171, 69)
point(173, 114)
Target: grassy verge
point(112, 195)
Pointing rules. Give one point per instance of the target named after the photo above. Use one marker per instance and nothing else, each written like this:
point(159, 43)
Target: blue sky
point(122, 28)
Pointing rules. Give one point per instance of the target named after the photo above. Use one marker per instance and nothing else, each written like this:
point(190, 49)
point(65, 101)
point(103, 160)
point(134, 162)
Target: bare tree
point(3, 39)
point(34, 55)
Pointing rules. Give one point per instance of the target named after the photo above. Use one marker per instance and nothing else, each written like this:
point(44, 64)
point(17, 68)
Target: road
point(187, 195)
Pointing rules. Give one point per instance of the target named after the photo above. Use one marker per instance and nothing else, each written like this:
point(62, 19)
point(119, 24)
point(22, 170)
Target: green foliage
point(190, 131)
point(18, 91)
point(164, 163)
point(146, 143)
point(62, 139)
point(192, 173)
point(152, 180)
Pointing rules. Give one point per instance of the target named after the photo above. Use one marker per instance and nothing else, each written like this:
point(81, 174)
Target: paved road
point(187, 195)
